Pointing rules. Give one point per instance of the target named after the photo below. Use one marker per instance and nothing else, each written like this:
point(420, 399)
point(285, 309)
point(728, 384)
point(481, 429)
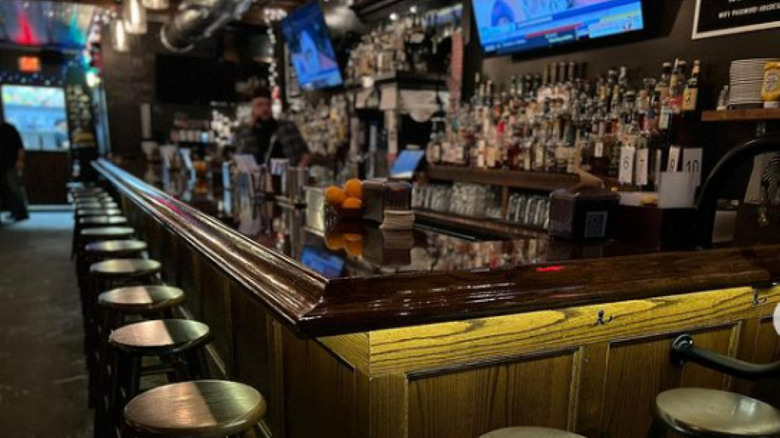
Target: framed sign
point(723, 17)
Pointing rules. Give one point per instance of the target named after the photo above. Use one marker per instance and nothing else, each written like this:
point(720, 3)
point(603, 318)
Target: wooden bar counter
point(395, 352)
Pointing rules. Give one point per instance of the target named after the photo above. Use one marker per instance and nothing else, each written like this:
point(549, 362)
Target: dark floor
point(42, 372)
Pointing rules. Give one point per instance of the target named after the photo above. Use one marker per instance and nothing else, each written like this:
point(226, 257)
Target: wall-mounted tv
point(311, 52)
point(508, 26)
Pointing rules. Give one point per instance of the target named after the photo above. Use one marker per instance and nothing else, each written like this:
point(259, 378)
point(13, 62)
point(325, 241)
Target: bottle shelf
point(504, 178)
point(741, 115)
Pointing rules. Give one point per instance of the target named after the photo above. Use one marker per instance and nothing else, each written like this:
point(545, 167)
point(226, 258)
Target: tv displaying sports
point(311, 51)
point(508, 26)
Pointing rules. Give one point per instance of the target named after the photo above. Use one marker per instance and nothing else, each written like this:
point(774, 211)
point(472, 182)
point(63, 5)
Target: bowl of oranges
point(346, 202)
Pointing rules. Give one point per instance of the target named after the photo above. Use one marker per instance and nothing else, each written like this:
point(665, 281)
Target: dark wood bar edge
point(314, 306)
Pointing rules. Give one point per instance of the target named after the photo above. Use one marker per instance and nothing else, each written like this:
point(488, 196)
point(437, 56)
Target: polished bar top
point(429, 275)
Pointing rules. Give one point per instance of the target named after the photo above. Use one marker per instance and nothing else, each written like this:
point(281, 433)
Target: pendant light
point(134, 16)
point(156, 5)
point(119, 39)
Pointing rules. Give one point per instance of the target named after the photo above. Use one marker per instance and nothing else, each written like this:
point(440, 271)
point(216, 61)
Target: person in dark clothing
point(11, 166)
point(266, 138)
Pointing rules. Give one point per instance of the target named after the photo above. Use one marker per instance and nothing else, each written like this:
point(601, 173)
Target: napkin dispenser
point(582, 214)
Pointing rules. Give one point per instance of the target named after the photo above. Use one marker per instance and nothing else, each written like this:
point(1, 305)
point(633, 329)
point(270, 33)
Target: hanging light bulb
point(119, 40)
point(134, 16)
point(156, 5)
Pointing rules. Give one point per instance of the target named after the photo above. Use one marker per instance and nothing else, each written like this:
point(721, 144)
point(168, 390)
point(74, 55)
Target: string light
point(119, 40)
point(134, 17)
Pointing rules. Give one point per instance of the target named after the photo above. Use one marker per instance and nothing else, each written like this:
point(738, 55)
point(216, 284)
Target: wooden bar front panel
point(558, 368)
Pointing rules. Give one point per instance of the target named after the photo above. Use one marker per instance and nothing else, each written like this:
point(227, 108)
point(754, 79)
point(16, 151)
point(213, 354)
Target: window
point(39, 115)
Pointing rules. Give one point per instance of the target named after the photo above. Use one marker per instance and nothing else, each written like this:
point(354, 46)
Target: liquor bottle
point(691, 93)
point(662, 86)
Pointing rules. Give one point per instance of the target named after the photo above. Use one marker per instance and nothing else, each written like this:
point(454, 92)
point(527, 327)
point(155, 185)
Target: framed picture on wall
point(725, 17)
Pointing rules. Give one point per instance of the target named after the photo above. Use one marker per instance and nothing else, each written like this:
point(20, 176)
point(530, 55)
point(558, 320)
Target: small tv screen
point(507, 26)
point(328, 264)
point(311, 52)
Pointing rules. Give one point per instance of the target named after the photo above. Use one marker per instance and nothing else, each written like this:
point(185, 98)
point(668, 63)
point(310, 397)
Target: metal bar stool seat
point(530, 432)
point(706, 413)
point(203, 408)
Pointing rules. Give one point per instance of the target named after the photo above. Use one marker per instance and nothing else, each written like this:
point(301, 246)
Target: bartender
point(266, 138)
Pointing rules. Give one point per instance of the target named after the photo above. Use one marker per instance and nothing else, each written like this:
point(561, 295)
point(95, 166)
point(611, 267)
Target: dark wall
point(129, 81)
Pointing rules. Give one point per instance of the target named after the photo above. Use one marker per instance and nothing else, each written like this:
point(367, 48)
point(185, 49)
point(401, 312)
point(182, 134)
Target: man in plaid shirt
point(267, 138)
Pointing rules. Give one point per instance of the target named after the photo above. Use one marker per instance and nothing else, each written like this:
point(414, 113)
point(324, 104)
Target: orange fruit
point(354, 188)
point(352, 237)
point(355, 248)
point(335, 196)
point(335, 241)
point(352, 204)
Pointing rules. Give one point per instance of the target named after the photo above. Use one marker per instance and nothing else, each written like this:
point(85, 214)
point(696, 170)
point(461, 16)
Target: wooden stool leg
point(135, 379)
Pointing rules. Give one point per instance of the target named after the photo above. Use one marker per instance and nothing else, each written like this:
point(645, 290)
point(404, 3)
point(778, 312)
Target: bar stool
point(103, 276)
point(91, 222)
point(96, 234)
point(204, 409)
point(152, 300)
point(100, 250)
point(705, 413)
point(179, 343)
point(84, 212)
point(113, 273)
point(95, 204)
point(530, 432)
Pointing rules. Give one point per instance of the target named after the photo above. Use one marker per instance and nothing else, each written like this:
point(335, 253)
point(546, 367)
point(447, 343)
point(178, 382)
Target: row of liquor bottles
point(408, 43)
point(557, 121)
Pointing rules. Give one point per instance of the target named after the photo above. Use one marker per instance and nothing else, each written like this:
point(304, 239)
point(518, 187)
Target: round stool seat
point(142, 299)
point(83, 212)
point(107, 232)
point(159, 337)
point(530, 432)
point(125, 268)
point(87, 192)
point(102, 220)
point(115, 247)
point(202, 408)
point(703, 412)
point(96, 205)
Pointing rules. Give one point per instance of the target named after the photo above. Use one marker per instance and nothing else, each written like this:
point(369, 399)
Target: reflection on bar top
point(360, 249)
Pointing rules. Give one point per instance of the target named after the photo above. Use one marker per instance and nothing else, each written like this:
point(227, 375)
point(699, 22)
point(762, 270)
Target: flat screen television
point(311, 52)
point(194, 81)
point(508, 26)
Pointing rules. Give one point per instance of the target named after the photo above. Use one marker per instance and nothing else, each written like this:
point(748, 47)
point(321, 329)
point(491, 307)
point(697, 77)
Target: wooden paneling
point(432, 346)
point(638, 370)
point(320, 391)
point(469, 403)
point(214, 291)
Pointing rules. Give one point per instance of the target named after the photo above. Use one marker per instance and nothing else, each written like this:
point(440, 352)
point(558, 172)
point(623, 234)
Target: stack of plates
point(747, 77)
